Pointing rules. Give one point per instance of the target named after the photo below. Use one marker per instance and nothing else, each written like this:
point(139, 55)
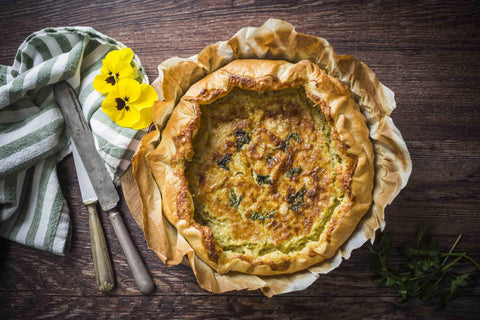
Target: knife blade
point(100, 179)
point(101, 259)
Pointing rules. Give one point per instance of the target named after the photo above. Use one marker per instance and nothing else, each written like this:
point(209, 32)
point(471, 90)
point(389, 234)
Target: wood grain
point(427, 52)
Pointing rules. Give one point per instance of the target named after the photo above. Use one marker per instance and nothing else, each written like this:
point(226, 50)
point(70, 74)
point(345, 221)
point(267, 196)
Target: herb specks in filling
point(234, 200)
point(261, 179)
point(291, 135)
point(293, 172)
point(242, 138)
point(268, 158)
point(260, 216)
point(296, 200)
point(224, 161)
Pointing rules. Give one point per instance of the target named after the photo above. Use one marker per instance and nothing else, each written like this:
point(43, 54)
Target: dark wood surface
point(427, 52)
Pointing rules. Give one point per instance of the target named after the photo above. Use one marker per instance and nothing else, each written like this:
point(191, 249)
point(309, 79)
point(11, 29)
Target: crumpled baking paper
point(276, 39)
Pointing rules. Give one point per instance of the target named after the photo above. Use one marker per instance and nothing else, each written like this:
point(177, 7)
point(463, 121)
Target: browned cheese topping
point(263, 172)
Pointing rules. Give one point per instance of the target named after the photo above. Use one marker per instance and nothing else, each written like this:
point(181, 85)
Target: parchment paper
point(276, 39)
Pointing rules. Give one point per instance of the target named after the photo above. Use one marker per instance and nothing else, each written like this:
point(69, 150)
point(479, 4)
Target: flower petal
point(145, 119)
point(147, 97)
point(113, 56)
point(118, 62)
point(126, 55)
point(109, 65)
point(105, 67)
point(125, 71)
point(109, 106)
point(101, 84)
point(128, 88)
point(127, 118)
point(123, 117)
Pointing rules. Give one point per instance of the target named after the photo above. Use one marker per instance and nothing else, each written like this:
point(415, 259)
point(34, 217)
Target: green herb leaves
point(426, 272)
point(224, 161)
point(268, 158)
point(261, 179)
point(293, 172)
point(260, 216)
point(242, 138)
point(291, 135)
point(296, 200)
point(234, 200)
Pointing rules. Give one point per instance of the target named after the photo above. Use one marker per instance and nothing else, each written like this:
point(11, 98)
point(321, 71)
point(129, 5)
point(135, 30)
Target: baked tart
point(265, 166)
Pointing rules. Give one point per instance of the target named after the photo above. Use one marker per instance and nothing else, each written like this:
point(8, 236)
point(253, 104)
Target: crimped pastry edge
point(176, 147)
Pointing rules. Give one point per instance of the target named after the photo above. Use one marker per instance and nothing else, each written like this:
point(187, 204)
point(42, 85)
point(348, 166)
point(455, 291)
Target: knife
point(100, 179)
point(101, 259)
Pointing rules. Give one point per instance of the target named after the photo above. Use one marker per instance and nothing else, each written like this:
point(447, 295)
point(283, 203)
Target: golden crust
point(349, 134)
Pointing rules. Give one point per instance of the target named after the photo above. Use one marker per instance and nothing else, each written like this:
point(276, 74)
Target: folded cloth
point(33, 137)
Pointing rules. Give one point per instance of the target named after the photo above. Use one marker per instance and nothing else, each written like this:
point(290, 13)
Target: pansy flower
point(116, 66)
point(129, 104)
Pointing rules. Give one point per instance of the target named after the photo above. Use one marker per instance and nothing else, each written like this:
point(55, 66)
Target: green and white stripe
point(33, 137)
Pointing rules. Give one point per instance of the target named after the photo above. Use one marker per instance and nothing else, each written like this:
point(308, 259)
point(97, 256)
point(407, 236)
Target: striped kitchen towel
point(33, 137)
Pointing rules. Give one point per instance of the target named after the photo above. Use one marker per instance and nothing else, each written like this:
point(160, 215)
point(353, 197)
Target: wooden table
point(428, 53)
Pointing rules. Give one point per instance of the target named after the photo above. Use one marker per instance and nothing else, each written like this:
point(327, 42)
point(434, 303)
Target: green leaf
point(234, 200)
point(271, 214)
point(293, 172)
point(461, 280)
point(296, 200)
point(421, 274)
point(291, 135)
point(255, 215)
point(406, 251)
point(268, 158)
point(261, 179)
point(243, 138)
point(224, 161)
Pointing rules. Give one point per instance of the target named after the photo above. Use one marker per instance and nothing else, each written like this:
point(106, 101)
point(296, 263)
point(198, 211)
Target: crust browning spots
point(280, 266)
point(183, 141)
point(324, 106)
point(287, 162)
point(206, 94)
point(209, 243)
point(276, 141)
point(345, 178)
point(183, 202)
point(334, 221)
point(183, 205)
point(286, 110)
point(242, 82)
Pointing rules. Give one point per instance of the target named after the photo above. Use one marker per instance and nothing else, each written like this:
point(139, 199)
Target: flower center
point(122, 104)
point(112, 79)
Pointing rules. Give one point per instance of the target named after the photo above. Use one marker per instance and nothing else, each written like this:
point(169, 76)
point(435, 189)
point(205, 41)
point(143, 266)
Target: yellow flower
point(116, 66)
point(129, 104)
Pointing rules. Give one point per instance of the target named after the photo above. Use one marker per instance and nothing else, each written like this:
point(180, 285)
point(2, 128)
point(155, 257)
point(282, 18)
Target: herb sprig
point(426, 273)
point(242, 138)
point(224, 161)
point(291, 135)
point(256, 215)
point(296, 200)
point(293, 172)
point(234, 200)
point(263, 179)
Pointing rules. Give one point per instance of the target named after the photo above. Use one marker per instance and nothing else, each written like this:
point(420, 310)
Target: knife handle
point(140, 273)
point(101, 258)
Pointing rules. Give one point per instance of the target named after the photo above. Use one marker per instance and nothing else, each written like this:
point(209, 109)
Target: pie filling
point(263, 175)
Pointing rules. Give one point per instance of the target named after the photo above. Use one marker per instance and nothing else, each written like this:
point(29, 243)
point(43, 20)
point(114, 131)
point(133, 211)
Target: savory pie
point(265, 167)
